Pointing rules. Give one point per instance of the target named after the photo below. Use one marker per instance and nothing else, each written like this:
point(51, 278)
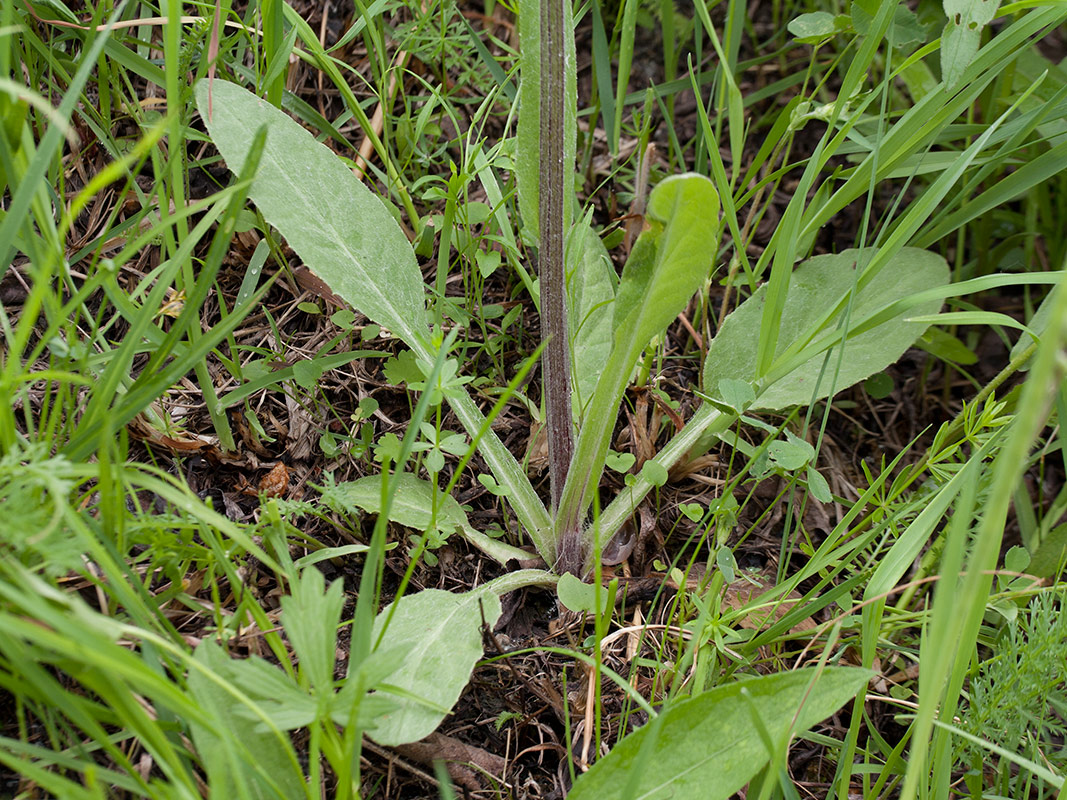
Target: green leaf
point(340, 229)
point(1017, 559)
point(307, 373)
point(285, 705)
point(962, 35)
point(453, 443)
point(327, 553)
point(491, 486)
point(343, 318)
point(654, 472)
point(310, 616)
point(879, 385)
point(738, 395)
point(805, 331)
point(578, 596)
point(817, 486)
point(818, 26)
point(905, 28)
point(727, 564)
point(693, 511)
point(619, 462)
point(275, 694)
point(240, 756)
point(590, 292)
point(708, 746)
point(443, 632)
point(488, 261)
point(413, 504)
point(792, 454)
point(403, 369)
point(944, 345)
point(388, 448)
point(413, 507)
point(669, 263)
point(1049, 554)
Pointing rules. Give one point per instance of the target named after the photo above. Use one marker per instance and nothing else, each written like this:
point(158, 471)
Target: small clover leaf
point(619, 462)
point(792, 454)
point(693, 511)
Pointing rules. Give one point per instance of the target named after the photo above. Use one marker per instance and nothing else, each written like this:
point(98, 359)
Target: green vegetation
point(334, 347)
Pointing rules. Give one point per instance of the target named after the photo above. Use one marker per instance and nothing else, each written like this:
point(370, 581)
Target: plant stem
point(553, 226)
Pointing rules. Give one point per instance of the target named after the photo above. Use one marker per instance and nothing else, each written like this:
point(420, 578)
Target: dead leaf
point(747, 590)
point(457, 756)
point(276, 482)
point(310, 282)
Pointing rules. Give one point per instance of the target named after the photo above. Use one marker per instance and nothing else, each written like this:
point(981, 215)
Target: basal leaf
point(590, 292)
point(340, 229)
point(708, 746)
point(669, 263)
point(443, 632)
point(349, 238)
point(815, 287)
point(413, 507)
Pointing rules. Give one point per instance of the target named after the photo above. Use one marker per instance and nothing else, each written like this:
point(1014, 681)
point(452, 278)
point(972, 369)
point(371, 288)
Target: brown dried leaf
point(276, 482)
point(310, 282)
point(746, 590)
point(456, 756)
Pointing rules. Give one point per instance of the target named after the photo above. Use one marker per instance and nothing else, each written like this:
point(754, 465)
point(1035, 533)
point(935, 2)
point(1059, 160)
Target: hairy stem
point(553, 227)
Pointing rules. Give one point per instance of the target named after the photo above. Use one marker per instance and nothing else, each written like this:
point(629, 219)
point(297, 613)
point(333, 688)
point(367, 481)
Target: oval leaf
point(413, 507)
point(708, 746)
point(443, 632)
point(814, 286)
point(342, 231)
point(670, 261)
